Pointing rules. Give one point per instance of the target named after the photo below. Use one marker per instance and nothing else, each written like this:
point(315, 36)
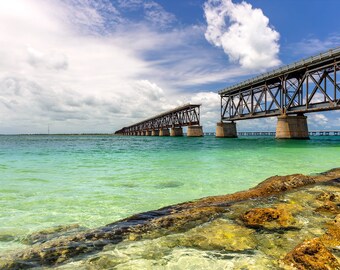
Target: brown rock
point(328, 196)
point(328, 207)
point(268, 218)
point(331, 238)
point(311, 255)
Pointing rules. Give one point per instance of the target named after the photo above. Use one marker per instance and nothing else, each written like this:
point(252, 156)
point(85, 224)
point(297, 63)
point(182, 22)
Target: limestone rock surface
point(310, 255)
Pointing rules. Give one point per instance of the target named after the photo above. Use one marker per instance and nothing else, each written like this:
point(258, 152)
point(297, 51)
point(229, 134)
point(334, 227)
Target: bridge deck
point(186, 115)
point(310, 62)
point(306, 86)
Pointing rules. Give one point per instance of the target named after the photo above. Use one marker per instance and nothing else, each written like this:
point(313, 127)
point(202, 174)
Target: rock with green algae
point(311, 255)
point(269, 218)
point(50, 233)
point(220, 235)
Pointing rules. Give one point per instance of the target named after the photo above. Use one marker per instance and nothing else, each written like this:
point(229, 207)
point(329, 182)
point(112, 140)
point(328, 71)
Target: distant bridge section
point(159, 125)
point(310, 85)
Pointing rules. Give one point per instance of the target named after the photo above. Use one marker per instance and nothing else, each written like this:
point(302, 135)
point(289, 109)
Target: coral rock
point(331, 238)
point(328, 208)
point(268, 218)
point(311, 254)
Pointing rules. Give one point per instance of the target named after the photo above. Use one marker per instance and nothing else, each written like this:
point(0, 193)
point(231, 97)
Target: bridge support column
point(148, 133)
point(164, 132)
point(292, 127)
point(155, 132)
point(226, 130)
point(195, 131)
point(176, 132)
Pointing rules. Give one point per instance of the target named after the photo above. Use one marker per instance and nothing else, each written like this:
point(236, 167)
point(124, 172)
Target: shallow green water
point(94, 180)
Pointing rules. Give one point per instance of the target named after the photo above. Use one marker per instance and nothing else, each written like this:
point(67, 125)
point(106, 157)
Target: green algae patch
point(220, 235)
point(50, 233)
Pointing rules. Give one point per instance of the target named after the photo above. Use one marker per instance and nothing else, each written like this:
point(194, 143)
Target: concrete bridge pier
point(176, 132)
point(226, 130)
point(164, 132)
point(195, 131)
point(155, 132)
point(292, 127)
point(148, 133)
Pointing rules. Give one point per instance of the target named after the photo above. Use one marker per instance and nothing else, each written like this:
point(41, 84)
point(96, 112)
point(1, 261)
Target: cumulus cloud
point(210, 109)
point(96, 71)
point(243, 32)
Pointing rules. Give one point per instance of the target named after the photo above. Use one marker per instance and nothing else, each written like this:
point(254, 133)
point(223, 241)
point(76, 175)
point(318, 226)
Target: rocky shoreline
point(286, 222)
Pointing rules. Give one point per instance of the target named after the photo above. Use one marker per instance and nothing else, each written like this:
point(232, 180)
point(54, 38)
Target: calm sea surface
point(94, 180)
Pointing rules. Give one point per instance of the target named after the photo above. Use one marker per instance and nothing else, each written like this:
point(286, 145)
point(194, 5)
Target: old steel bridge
point(159, 125)
point(310, 85)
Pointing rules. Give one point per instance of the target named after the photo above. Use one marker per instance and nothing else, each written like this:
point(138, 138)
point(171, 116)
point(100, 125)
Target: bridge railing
point(308, 86)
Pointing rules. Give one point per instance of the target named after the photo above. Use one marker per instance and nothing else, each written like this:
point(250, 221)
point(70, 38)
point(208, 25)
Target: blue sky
point(96, 66)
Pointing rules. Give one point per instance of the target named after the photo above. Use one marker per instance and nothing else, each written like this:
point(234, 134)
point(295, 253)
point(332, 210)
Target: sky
point(95, 66)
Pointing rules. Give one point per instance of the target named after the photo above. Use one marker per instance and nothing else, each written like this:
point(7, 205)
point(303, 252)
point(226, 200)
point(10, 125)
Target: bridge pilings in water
point(292, 127)
point(195, 131)
point(288, 127)
point(176, 132)
point(155, 132)
point(164, 132)
point(226, 130)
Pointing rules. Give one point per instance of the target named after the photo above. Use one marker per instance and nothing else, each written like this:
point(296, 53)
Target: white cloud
point(243, 32)
point(79, 75)
point(130, 4)
point(51, 60)
point(156, 14)
point(210, 109)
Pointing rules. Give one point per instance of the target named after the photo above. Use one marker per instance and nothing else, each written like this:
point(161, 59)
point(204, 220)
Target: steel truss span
point(307, 86)
point(187, 115)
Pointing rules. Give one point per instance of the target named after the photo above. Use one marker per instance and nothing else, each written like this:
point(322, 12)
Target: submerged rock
point(50, 233)
point(328, 207)
point(269, 218)
point(7, 237)
point(311, 254)
point(187, 220)
point(220, 235)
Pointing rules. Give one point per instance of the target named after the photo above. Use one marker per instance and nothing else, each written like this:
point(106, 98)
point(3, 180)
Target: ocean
point(47, 181)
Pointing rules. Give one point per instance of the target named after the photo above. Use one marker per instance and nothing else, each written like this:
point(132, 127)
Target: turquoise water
point(94, 180)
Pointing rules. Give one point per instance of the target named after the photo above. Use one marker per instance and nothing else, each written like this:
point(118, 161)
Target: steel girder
point(186, 115)
point(300, 91)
